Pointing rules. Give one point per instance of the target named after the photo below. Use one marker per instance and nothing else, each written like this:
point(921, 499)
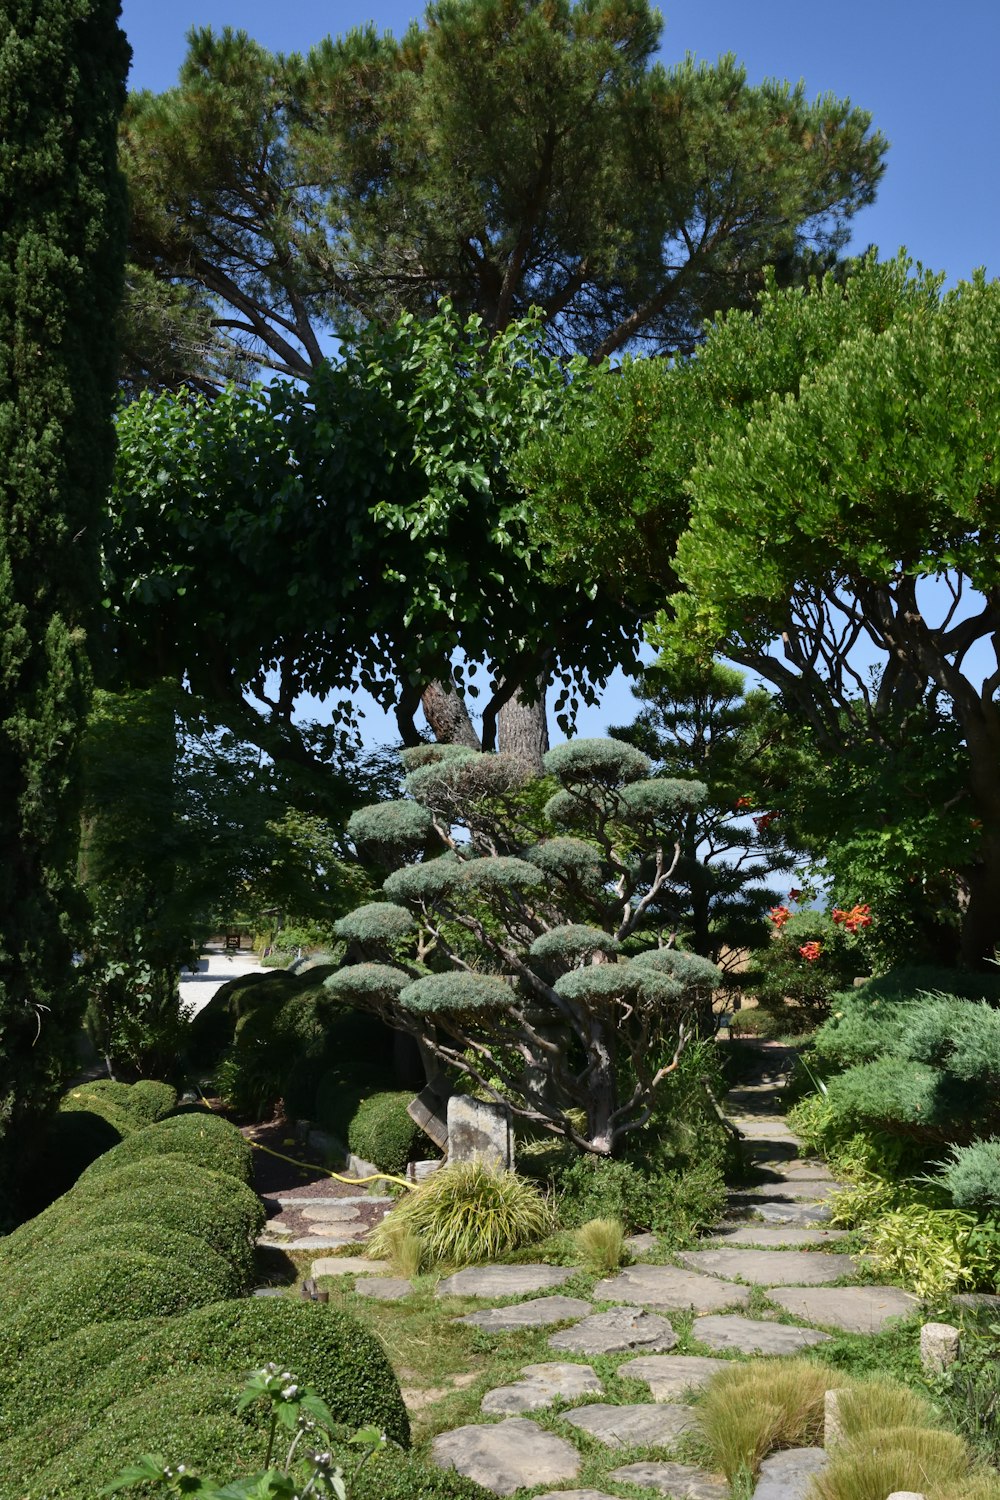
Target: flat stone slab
point(650, 1426)
point(348, 1265)
point(506, 1456)
point(773, 1267)
point(855, 1309)
point(641, 1244)
point(316, 1241)
point(503, 1281)
point(289, 1200)
point(766, 1130)
point(670, 1375)
point(384, 1288)
point(534, 1314)
point(798, 1191)
point(799, 1170)
point(330, 1213)
point(977, 1301)
point(788, 1475)
point(755, 1336)
point(542, 1385)
point(616, 1331)
point(783, 1211)
point(779, 1239)
point(669, 1287)
point(575, 1495)
point(682, 1481)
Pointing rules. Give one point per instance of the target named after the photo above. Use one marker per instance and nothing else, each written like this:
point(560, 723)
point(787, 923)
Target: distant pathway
point(215, 968)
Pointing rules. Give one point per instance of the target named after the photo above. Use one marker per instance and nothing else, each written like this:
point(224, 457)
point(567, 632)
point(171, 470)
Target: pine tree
point(62, 234)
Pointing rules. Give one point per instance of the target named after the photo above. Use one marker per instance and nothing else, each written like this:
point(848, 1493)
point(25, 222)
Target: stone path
point(774, 1237)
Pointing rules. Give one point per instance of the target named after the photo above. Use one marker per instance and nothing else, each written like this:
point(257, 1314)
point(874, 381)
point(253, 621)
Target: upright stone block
point(939, 1347)
point(479, 1130)
point(833, 1428)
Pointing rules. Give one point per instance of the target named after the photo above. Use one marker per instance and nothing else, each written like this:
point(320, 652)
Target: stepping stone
point(503, 1281)
point(977, 1301)
point(317, 1241)
point(670, 1375)
point(778, 1239)
point(766, 1131)
point(641, 1244)
point(798, 1192)
point(575, 1495)
point(802, 1171)
point(290, 1200)
point(648, 1426)
point(506, 1456)
point(617, 1331)
point(786, 1212)
point(788, 1475)
point(384, 1288)
point(329, 1213)
point(753, 1336)
point(773, 1267)
point(348, 1265)
point(682, 1481)
point(855, 1309)
point(542, 1385)
point(669, 1287)
point(533, 1314)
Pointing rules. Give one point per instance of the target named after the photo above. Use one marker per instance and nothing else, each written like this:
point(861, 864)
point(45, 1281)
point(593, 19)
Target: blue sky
point(926, 71)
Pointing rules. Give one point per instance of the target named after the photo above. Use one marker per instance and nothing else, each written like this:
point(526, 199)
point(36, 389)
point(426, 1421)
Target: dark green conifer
point(62, 232)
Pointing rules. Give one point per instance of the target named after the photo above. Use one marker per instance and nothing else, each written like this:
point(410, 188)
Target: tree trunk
point(980, 939)
point(446, 713)
point(602, 1095)
point(522, 730)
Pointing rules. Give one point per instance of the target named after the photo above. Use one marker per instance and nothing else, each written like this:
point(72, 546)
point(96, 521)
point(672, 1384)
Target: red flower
point(794, 896)
point(811, 951)
point(764, 821)
point(779, 915)
point(858, 916)
point(744, 802)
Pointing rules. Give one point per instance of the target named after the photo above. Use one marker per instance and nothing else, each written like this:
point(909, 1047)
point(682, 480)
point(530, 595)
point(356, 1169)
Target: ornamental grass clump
point(885, 1460)
point(467, 1213)
point(753, 1409)
point(601, 1243)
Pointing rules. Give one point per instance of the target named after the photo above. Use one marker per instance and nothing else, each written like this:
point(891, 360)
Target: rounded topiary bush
point(73, 1139)
point(603, 761)
point(376, 922)
point(166, 1190)
point(382, 1132)
point(129, 1237)
point(60, 1374)
point(126, 1106)
point(205, 1139)
point(212, 1030)
point(98, 1286)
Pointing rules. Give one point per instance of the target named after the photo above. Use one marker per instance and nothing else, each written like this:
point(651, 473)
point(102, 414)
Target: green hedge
point(41, 1382)
point(205, 1139)
point(127, 1106)
point(174, 1390)
point(213, 1028)
point(137, 1236)
point(101, 1285)
point(165, 1190)
point(382, 1132)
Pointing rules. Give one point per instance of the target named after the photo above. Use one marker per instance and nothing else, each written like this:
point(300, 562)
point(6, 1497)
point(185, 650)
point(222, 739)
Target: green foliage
point(972, 1176)
point(563, 947)
point(126, 1106)
point(601, 1243)
point(783, 973)
point(469, 1212)
point(454, 993)
point(600, 762)
point(382, 1132)
point(393, 1476)
point(215, 1025)
point(202, 1138)
point(887, 1459)
point(378, 922)
point(752, 1409)
point(280, 1051)
point(62, 246)
point(934, 1252)
point(391, 828)
point(425, 883)
point(130, 1237)
point(674, 1205)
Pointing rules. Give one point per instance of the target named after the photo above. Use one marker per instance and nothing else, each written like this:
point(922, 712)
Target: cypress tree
point(62, 233)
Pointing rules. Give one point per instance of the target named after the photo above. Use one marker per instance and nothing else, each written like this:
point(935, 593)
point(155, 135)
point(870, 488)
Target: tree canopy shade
point(62, 235)
point(829, 469)
point(505, 154)
point(538, 966)
point(369, 529)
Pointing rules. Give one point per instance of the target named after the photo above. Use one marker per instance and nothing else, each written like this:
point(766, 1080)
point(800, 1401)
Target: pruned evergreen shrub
point(972, 1176)
point(205, 1139)
point(382, 1132)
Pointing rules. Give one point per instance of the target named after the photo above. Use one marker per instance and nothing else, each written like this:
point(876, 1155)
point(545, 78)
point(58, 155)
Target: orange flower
point(811, 951)
point(779, 915)
point(858, 916)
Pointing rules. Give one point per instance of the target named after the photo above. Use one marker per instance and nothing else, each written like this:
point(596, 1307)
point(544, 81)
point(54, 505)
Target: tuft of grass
point(601, 1242)
point(886, 1459)
point(403, 1247)
point(752, 1409)
point(881, 1404)
point(468, 1213)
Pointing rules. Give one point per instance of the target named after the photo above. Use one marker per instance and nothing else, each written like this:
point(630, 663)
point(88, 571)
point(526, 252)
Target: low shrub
point(165, 1190)
point(934, 1252)
point(674, 1204)
point(382, 1131)
point(33, 1387)
point(174, 1389)
point(127, 1106)
point(101, 1285)
point(391, 1475)
point(205, 1139)
point(212, 1030)
point(129, 1237)
point(72, 1140)
point(972, 1176)
point(470, 1212)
